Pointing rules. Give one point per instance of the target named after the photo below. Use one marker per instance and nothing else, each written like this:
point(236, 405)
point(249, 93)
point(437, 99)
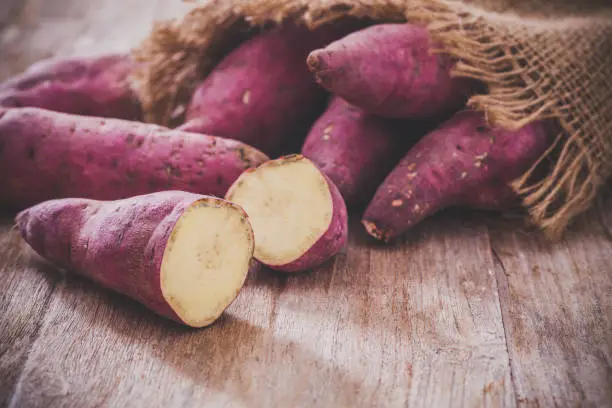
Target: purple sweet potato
point(91, 86)
point(184, 256)
point(389, 70)
point(464, 162)
point(262, 92)
point(297, 213)
point(46, 155)
point(357, 150)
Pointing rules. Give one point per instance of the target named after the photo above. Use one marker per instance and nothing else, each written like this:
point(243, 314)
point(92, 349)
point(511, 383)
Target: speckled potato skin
point(46, 155)
point(330, 243)
point(357, 150)
point(117, 244)
point(262, 92)
point(90, 86)
point(389, 70)
point(463, 162)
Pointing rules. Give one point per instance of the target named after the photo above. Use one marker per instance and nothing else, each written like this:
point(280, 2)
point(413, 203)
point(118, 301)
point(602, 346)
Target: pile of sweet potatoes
point(292, 131)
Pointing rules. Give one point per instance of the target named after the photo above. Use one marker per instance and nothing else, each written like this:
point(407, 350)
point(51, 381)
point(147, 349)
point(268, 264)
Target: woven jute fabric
point(539, 59)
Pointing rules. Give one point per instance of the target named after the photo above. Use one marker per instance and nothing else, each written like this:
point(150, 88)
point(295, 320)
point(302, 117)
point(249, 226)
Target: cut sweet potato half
point(298, 215)
point(184, 256)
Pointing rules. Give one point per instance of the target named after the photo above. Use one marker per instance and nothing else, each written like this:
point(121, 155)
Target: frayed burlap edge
point(520, 91)
point(179, 53)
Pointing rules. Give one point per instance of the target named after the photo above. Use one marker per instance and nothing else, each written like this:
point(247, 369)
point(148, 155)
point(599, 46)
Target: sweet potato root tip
point(314, 63)
point(183, 256)
point(298, 215)
point(373, 230)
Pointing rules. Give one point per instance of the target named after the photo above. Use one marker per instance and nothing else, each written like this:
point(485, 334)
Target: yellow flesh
point(289, 205)
point(205, 262)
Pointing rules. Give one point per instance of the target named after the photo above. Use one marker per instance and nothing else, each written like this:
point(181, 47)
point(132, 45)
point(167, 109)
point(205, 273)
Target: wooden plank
point(557, 307)
point(9, 9)
point(24, 296)
point(78, 27)
point(379, 326)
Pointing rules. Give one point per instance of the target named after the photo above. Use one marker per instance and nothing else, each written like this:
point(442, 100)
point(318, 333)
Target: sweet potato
point(298, 215)
point(262, 91)
point(357, 150)
point(91, 86)
point(464, 162)
point(184, 256)
point(389, 70)
point(46, 155)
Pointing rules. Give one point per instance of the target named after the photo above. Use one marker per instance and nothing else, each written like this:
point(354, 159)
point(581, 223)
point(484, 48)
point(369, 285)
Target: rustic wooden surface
point(469, 310)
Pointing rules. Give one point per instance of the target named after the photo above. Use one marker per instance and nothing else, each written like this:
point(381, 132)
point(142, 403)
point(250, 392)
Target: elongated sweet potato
point(298, 215)
point(46, 155)
point(462, 163)
point(389, 70)
point(91, 86)
point(357, 150)
point(182, 255)
point(262, 92)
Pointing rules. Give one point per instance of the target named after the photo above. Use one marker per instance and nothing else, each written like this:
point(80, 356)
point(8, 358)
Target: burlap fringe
point(179, 53)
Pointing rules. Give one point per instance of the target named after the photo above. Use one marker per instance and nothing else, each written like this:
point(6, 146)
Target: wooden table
point(469, 310)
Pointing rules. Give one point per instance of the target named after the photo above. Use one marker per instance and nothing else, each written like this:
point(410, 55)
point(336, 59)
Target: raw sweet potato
point(182, 255)
point(389, 70)
point(298, 215)
point(357, 150)
point(464, 162)
point(46, 155)
point(91, 86)
point(262, 91)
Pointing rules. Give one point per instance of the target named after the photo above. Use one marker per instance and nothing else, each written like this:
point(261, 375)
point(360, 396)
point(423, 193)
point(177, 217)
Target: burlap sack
point(539, 59)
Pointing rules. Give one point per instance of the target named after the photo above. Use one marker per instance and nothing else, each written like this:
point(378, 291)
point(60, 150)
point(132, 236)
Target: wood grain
point(405, 325)
point(45, 28)
point(557, 307)
point(24, 295)
point(9, 9)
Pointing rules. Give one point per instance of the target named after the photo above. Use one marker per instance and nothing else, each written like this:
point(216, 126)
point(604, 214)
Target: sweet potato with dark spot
point(463, 162)
point(357, 150)
point(262, 92)
point(47, 155)
point(90, 86)
point(389, 70)
point(184, 256)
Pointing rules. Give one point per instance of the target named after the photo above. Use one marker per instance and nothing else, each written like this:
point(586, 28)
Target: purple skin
point(388, 70)
point(46, 155)
point(330, 243)
point(462, 163)
point(357, 150)
point(94, 86)
point(262, 92)
point(117, 244)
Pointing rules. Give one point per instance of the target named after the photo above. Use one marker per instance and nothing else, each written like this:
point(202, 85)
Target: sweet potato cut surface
point(182, 255)
point(298, 215)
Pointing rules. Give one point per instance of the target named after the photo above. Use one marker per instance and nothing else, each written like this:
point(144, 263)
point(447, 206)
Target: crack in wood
point(33, 338)
point(503, 293)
